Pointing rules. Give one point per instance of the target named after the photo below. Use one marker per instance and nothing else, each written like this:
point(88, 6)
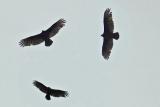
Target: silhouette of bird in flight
point(49, 91)
point(44, 36)
point(108, 34)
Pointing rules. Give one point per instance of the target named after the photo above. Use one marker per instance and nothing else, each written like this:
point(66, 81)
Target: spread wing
point(58, 93)
point(40, 86)
point(54, 29)
point(108, 22)
point(107, 47)
point(32, 40)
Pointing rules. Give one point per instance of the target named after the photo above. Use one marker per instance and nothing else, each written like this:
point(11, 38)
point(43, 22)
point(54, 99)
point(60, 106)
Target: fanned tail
point(116, 36)
point(48, 42)
point(48, 97)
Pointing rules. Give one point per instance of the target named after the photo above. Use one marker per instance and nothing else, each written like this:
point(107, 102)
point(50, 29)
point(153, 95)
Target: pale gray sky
point(130, 78)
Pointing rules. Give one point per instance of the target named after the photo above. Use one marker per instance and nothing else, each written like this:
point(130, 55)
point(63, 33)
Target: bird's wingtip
point(34, 82)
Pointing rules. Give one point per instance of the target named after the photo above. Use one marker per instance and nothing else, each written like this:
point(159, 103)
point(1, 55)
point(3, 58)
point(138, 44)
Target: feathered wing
point(58, 93)
point(40, 86)
point(108, 21)
point(54, 29)
point(107, 47)
point(32, 40)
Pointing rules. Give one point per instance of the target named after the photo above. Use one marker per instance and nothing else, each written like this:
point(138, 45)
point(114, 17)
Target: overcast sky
point(130, 78)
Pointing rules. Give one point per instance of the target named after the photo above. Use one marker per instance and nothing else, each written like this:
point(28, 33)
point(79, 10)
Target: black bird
point(50, 92)
point(44, 36)
point(108, 34)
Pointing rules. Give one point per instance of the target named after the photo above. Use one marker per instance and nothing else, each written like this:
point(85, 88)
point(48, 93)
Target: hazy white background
point(130, 78)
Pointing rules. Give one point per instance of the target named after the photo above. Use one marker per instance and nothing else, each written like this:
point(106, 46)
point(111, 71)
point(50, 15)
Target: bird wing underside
point(54, 29)
point(59, 93)
point(107, 47)
point(32, 40)
point(40, 86)
point(108, 22)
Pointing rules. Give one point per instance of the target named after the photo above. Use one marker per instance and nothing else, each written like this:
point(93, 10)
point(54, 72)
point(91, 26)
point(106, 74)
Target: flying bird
point(49, 91)
point(108, 34)
point(44, 36)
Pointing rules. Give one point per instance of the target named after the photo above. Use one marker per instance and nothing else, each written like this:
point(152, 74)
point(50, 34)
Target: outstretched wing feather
point(108, 22)
point(59, 93)
point(32, 40)
point(40, 86)
point(107, 47)
point(54, 29)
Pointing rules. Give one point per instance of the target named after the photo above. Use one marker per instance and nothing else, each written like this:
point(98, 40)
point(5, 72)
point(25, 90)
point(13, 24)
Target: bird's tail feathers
point(48, 97)
point(116, 36)
point(48, 42)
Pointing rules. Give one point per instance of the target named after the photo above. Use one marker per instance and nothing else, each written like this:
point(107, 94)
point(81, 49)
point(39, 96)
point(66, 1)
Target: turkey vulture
point(44, 36)
point(108, 34)
point(50, 92)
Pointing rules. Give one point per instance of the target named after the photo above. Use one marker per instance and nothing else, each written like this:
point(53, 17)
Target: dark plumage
point(50, 92)
point(44, 36)
point(108, 34)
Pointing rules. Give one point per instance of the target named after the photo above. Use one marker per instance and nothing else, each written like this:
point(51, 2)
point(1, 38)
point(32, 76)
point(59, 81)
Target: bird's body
point(49, 91)
point(44, 36)
point(108, 34)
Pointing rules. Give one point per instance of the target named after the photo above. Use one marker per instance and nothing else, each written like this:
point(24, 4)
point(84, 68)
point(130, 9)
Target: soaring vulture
point(49, 91)
point(108, 34)
point(44, 36)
